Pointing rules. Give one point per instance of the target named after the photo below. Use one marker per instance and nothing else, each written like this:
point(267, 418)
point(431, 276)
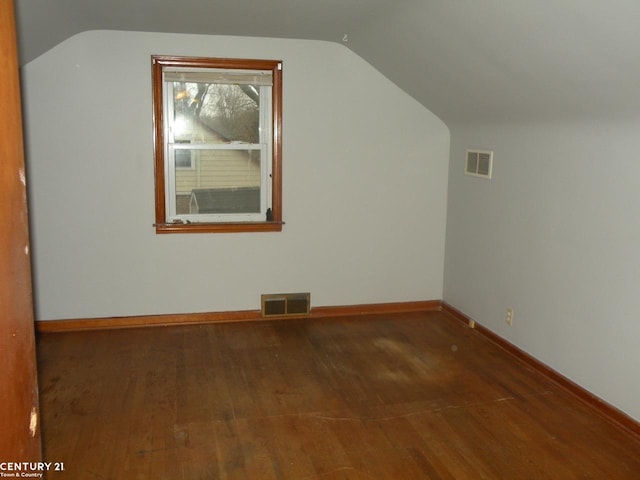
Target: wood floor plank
point(415, 395)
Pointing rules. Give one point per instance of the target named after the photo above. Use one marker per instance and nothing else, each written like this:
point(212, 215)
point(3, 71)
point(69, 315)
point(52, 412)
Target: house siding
point(214, 169)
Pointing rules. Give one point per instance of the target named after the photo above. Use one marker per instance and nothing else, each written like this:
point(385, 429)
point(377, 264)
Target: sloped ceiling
point(465, 60)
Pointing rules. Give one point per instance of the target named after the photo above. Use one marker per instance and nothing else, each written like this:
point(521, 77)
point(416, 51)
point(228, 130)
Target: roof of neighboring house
point(225, 200)
point(194, 123)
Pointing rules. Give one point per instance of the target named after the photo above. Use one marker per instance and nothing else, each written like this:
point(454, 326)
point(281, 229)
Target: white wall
point(365, 178)
point(556, 236)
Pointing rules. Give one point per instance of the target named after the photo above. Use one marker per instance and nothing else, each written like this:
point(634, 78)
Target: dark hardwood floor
point(408, 396)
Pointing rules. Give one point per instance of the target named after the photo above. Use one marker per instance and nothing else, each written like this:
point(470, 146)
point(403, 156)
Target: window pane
point(220, 181)
point(216, 113)
point(183, 156)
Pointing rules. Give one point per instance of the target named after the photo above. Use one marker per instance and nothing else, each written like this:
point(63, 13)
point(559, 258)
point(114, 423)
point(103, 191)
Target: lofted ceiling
point(465, 60)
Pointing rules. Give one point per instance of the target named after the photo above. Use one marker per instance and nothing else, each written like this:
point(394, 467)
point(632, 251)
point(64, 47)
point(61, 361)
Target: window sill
point(162, 228)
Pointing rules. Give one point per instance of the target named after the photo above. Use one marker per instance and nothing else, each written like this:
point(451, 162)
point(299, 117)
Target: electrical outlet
point(509, 317)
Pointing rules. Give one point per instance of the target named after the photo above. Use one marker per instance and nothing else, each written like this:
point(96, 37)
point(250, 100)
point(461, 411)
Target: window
point(217, 126)
point(184, 156)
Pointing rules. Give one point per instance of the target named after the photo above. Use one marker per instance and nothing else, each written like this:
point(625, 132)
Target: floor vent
point(479, 163)
point(286, 304)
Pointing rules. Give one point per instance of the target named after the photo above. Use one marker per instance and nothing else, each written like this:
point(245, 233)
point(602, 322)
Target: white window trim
point(266, 153)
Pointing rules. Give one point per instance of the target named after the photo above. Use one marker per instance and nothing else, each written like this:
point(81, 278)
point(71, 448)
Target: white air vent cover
point(479, 163)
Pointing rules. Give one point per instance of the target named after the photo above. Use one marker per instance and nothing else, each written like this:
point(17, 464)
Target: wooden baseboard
point(110, 323)
point(605, 409)
point(54, 326)
point(377, 308)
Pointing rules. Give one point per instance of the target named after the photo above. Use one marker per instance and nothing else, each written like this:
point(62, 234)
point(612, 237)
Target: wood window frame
point(158, 62)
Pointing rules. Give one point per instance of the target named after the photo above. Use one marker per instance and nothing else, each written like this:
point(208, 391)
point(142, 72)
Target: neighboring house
point(208, 169)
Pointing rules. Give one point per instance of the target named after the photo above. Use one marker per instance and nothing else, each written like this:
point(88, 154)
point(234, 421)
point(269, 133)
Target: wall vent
point(286, 304)
point(479, 163)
